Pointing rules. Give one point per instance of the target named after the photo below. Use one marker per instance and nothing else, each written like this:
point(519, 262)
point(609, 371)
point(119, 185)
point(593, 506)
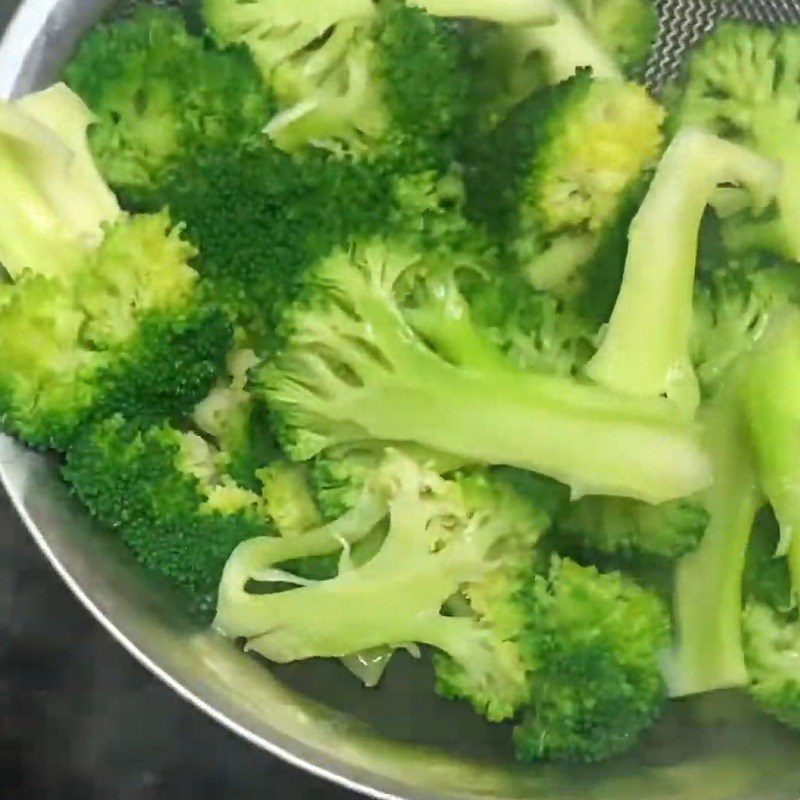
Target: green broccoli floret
point(260, 217)
point(741, 83)
point(616, 525)
point(645, 351)
point(553, 176)
point(360, 75)
point(56, 201)
point(339, 474)
point(288, 499)
point(158, 92)
point(126, 332)
point(594, 644)
point(442, 534)
point(161, 492)
point(354, 369)
point(236, 423)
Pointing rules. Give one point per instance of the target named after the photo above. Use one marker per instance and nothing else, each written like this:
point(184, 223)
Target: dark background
point(80, 720)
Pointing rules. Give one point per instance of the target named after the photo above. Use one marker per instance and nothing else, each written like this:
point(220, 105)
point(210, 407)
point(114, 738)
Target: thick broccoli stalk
point(555, 175)
point(742, 83)
point(594, 642)
point(354, 369)
point(645, 350)
point(708, 653)
point(157, 92)
point(441, 535)
point(625, 527)
point(126, 332)
point(56, 202)
point(160, 491)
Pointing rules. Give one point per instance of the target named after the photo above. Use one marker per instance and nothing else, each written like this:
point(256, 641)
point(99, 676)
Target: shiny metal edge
point(16, 44)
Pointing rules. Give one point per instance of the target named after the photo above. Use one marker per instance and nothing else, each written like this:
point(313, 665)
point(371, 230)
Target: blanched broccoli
point(514, 642)
point(56, 202)
point(288, 500)
point(158, 92)
point(259, 218)
point(162, 493)
point(594, 642)
point(354, 369)
point(645, 350)
point(742, 84)
point(236, 423)
point(359, 75)
point(553, 176)
point(616, 525)
point(127, 332)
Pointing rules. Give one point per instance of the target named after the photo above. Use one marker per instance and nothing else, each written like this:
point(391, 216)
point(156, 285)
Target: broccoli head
point(127, 332)
point(158, 92)
point(554, 174)
point(742, 84)
point(616, 525)
point(354, 368)
point(161, 491)
point(593, 643)
point(56, 201)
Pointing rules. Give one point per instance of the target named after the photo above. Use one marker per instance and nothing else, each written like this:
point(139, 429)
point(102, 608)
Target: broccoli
point(354, 369)
point(127, 332)
point(363, 75)
point(510, 62)
point(741, 83)
point(236, 423)
point(157, 92)
point(594, 642)
point(288, 500)
point(616, 525)
point(707, 652)
point(260, 217)
point(161, 492)
point(645, 351)
point(555, 174)
point(61, 202)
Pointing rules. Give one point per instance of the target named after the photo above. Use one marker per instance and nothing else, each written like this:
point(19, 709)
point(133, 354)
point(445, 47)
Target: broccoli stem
point(509, 12)
point(597, 443)
point(771, 398)
point(707, 610)
point(568, 44)
point(645, 351)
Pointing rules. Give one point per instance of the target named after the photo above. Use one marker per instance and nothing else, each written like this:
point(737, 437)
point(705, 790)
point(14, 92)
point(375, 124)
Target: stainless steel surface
point(399, 742)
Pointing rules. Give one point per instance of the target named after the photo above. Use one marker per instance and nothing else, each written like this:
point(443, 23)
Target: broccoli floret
point(354, 369)
point(645, 350)
point(361, 75)
point(288, 499)
point(339, 474)
point(615, 525)
point(236, 423)
point(772, 652)
point(157, 92)
point(126, 332)
point(160, 491)
point(442, 534)
point(593, 642)
point(260, 217)
point(555, 173)
point(56, 201)
point(742, 84)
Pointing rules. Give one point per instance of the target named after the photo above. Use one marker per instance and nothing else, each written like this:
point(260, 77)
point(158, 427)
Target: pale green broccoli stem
point(509, 12)
point(645, 351)
point(60, 202)
point(569, 44)
point(707, 607)
point(771, 399)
